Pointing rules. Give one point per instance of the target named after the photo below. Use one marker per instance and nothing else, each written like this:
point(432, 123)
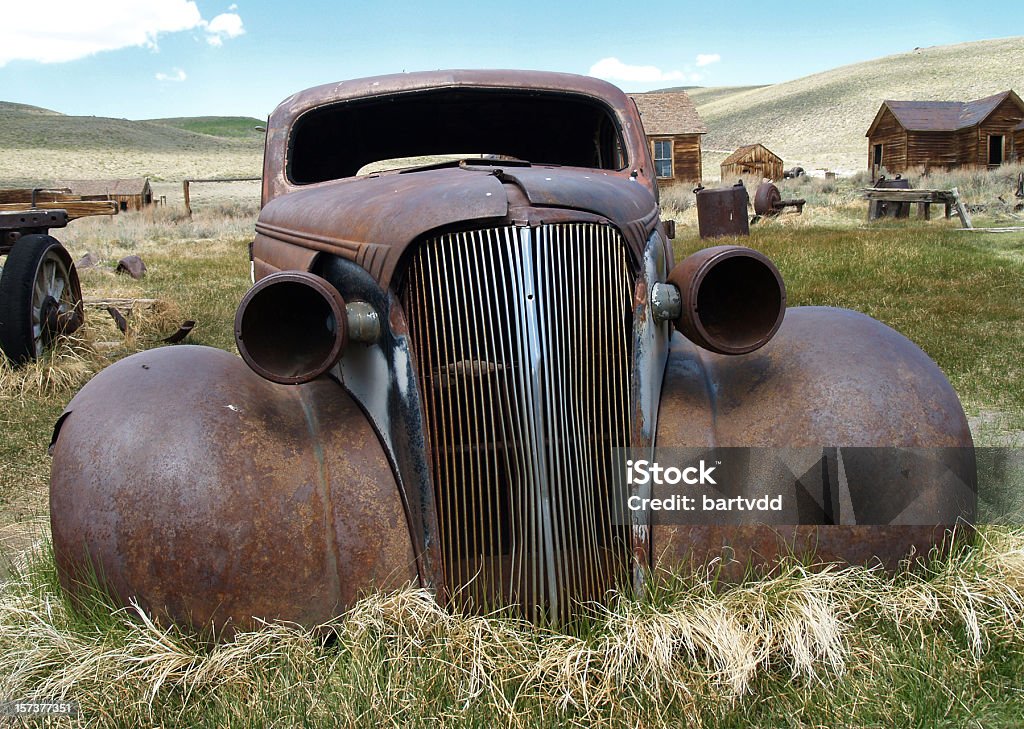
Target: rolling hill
point(820, 120)
point(229, 127)
point(816, 121)
point(38, 143)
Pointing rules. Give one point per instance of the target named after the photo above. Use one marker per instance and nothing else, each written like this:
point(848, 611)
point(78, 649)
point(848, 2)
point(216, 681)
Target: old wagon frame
point(40, 294)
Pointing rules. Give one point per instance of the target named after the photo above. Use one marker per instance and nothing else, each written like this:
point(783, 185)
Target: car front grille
point(523, 339)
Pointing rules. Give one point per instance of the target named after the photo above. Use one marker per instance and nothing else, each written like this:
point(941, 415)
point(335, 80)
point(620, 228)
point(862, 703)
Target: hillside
point(703, 95)
point(231, 127)
point(820, 120)
point(39, 143)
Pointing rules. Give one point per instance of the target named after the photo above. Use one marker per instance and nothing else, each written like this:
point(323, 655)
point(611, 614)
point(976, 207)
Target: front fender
point(213, 496)
point(831, 378)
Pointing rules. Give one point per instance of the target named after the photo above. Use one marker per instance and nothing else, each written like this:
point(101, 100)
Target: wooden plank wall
point(891, 135)
point(1018, 145)
point(757, 162)
point(1001, 121)
point(686, 161)
point(932, 150)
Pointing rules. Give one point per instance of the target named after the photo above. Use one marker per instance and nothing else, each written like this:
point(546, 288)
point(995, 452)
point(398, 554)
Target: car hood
point(372, 219)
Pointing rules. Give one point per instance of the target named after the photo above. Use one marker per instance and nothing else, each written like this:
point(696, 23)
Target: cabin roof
point(123, 186)
point(741, 152)
point(943, 116)
point(668, 113)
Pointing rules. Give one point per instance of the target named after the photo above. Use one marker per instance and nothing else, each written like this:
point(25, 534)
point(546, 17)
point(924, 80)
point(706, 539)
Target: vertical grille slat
point(523, 342)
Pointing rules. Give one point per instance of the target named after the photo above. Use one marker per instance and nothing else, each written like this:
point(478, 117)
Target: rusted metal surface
point(382, 377)
point(722, 211)
point(713, 316)
point(829, 378)
point(769, 203)
point(253, 500)
point(734, 550)
point(275, 181)
point(291, 327)
point(133, 266)
point(509, 324)
point(647, 368)
point(119, 319)
point(179, 335)
point(372, 220)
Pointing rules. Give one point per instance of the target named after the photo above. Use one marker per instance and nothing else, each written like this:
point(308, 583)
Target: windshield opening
point(341, 140)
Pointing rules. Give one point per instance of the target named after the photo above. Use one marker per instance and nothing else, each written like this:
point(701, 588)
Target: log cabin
point(945, 134)
point(674, 129)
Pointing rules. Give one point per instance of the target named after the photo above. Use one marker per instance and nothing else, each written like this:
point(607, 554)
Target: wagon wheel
point(40, 297)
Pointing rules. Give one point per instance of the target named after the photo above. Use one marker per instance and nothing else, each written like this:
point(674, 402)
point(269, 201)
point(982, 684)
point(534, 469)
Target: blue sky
point(158, 58)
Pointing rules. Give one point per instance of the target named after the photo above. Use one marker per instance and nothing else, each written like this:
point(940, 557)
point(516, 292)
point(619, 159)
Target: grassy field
point(851, 647)
point(232, 127)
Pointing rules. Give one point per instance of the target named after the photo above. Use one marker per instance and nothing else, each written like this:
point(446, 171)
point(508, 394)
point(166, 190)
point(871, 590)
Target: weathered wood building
point(673, 128)
point(752, 160)
point(945, 134)
point(130, 194)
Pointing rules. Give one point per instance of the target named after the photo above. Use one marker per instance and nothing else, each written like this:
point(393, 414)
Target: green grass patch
point(239, 127)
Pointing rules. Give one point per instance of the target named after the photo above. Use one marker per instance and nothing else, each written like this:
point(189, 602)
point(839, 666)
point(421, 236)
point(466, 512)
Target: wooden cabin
point(752, 160)
point(945, 134)
point(673, 128)
point(130, 194)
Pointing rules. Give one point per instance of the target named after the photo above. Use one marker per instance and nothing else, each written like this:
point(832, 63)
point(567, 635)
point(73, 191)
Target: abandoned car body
point(443, 359)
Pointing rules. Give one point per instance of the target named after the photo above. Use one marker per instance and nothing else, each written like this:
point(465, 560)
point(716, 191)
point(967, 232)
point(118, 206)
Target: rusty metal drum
point(723, 211)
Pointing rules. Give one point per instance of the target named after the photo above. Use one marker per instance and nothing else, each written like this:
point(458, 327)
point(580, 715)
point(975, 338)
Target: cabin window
point(663, 158)
point(995, 149)
point(877, 155)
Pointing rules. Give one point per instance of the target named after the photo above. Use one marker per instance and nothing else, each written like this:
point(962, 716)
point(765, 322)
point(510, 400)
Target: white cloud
point(176, 74)
point(72, 29)
point(703, 59)
point(612, 69)
point(225, 25)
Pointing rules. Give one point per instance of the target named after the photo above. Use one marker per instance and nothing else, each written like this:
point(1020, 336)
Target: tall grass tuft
point(689, 651)
point(62, 369)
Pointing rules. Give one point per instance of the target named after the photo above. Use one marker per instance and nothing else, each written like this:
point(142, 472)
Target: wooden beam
point(120, 303)
point(74, 208)
point(965, 218)
point(1016, 229)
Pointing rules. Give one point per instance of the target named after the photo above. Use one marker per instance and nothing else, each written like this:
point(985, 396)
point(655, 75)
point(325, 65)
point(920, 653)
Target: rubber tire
point(22, 268)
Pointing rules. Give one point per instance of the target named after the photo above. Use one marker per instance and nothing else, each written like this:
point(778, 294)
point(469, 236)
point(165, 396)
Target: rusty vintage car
point(439, 363)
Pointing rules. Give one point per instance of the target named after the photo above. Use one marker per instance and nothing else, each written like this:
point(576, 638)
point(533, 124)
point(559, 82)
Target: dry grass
point(61, 371)
point(690, 651)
